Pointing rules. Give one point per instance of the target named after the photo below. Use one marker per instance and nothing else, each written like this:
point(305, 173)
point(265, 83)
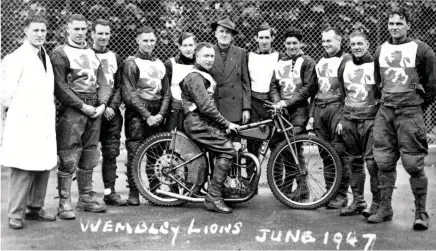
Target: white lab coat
point(29, 141)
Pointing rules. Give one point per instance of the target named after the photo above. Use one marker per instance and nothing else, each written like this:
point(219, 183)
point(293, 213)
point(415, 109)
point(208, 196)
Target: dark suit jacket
point(233, 91)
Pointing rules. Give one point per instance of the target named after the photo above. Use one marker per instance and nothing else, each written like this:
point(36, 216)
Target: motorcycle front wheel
point(150, 170)
point(312, 183)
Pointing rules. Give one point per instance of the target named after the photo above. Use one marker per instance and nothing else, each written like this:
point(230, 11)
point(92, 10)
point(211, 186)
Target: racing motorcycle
point(303, 171)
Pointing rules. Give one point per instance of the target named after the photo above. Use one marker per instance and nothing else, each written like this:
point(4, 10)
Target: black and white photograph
point(218, 125)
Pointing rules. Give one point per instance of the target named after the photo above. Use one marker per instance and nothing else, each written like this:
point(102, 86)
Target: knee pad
point(69, 160)
point(413, 162)
point(111, 151)
point(89, 159)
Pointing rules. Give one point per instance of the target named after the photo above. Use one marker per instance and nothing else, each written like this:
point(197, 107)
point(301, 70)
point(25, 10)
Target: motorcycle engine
point(236, 187)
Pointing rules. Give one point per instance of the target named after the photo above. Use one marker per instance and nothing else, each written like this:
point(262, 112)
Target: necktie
point(41, 56)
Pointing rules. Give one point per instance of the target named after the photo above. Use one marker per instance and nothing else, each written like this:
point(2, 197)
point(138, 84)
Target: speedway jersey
point(144, 84)
point(329, 87)
point(78, 71)
point(261, 68)
point(361, 92)
point(405, 72)
point(111, 64)
point(179, 72)
point(151, 74)
point(295, 79)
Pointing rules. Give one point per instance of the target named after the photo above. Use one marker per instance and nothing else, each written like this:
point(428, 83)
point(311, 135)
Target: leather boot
point(357, 181)
point(374, 205)
point(113, 198)
point(341, 199)
point(133, 199)
point(65, 210)
point(302, 192)
point(375, 190)
point(385, 212)
point(87, 200)
point(214, 200)
point(419, 189)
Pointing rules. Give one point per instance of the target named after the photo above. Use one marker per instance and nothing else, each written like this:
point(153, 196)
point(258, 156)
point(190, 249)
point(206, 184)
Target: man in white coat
point(29, 143)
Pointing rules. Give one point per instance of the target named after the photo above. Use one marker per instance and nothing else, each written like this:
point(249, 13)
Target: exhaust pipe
point(179, 196)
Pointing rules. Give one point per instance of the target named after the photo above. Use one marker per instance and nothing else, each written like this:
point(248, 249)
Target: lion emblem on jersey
point(108, 71)
point(287, 72)
point(86, 69)
point(397, 68)
point(151, 83)
point(358, 84)
point(324, 74)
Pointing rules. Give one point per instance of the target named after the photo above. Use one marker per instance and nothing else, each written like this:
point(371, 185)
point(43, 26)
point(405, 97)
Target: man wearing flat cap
point(230, 71)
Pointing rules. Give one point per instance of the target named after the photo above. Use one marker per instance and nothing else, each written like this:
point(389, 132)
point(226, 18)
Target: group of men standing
point(368, 108)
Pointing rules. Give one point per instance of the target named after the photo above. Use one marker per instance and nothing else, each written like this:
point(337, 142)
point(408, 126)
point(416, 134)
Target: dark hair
point(35, 19)
point(76, 17)
point(186, 35)
point(402, 12)
point(294, 32)
point(100, 22)
point(263, 27)
point(337, 31)
point(145, 29)
point(358, 33)
point(202, 45)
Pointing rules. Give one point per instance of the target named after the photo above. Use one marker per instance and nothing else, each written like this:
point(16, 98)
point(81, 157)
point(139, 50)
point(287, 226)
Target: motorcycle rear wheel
point(320, 182)
point(150, 161)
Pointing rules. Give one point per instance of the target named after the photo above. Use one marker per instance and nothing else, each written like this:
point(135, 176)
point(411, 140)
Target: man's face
point(146, 42)
point(331, 42)
point(223, 35)
point(101, 35)
point(359, 46)
point(264, 40)
point(293, 46)
point(398, 27)
point(77, 31)
point(205, 57)
point(187, 48)
point(36, 33)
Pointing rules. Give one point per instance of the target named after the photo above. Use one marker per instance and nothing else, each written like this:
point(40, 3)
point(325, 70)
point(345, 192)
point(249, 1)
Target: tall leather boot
point(87, 200)
point(214, 200)
point(375, 190)
point(341, 199)
point(419, 189)
point(65, 210)
point(385, 212)
point(357, 187)
point(133, 199)
point(302, 192)
point(109, 173)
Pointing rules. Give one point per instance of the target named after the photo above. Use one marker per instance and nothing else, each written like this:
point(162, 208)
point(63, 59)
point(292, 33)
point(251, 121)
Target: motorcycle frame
point(276, 123)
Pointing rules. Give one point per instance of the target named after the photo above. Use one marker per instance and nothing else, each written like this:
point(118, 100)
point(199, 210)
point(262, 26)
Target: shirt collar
point(299, 54)
point(144, 56)
point(33, 48)
point(264, 53)
point(338, 54)
point(79, 46)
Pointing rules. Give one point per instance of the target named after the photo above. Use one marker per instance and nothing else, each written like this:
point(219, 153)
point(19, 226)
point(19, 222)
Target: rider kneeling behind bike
point(204, 123)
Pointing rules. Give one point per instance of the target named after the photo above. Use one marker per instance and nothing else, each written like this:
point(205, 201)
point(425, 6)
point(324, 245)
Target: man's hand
point(279, 105)
point(245, 116)
point(88, 110)
point(233, 127)
point(109, 113)
point(99, 111)
point(310, 124)
point(152, 120)
point(339, 129)
point(159, 119)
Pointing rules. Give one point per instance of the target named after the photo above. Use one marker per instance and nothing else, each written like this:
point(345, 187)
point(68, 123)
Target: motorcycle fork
point(294, 151)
